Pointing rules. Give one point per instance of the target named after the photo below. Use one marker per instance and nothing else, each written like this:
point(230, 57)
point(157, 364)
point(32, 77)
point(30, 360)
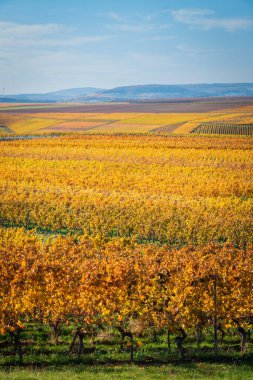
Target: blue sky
point(55, 44)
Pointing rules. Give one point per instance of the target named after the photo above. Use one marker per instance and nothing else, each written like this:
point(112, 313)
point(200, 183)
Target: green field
point(187, 371)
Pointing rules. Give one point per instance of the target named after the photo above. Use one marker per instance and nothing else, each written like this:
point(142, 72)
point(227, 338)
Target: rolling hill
point(136, 93)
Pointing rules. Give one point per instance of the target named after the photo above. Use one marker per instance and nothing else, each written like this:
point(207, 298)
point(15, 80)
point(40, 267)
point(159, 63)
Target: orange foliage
point(92, 282)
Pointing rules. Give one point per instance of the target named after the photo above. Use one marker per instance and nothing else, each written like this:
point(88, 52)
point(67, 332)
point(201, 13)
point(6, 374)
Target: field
point(139, 186)
point(192, 105)
point(181, 117)
point(224, 129)
point(126, 238)
point(104, 303)
point(199, 371)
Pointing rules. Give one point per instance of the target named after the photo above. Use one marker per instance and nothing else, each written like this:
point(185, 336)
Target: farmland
point(156, 118)
point(146, 187)
point(224, 129)
point(126, 225)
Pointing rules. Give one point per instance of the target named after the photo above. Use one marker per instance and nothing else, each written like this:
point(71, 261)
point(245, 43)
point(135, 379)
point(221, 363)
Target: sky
point(56, 44)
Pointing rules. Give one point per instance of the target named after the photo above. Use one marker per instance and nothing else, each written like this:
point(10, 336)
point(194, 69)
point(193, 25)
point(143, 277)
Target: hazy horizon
point(57, 45)
point(131, 85)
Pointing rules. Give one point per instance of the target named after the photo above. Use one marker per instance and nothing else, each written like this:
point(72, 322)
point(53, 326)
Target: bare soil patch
point(166, 106)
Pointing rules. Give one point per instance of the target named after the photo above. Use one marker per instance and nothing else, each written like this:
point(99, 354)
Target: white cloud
point(138, 27)
point(139, 23)
point(191, 15)
point(13, 35)
point(115, 16)
point(40, 56)
point(17, 36)
point(195, 51)
point(159, 38)
point(205, 19)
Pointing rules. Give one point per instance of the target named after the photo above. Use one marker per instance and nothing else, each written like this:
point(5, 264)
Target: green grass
point(44, 360)
point(133, 371)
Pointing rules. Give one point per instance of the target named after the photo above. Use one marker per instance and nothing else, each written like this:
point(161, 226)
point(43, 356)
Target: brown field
point(169, 128)
point(111, 128)
point(71, 126)
point(167, 106)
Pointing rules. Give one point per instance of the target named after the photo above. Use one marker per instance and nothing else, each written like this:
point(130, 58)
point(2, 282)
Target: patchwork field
point(31, 120)
point(189, 105)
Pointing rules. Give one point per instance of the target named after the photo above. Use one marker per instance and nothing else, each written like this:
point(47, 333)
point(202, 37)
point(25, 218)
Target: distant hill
point(149, 92)
point(5, 99)
point(52, 97)
point(137, 93)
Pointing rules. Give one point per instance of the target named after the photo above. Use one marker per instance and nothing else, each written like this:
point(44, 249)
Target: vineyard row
point(224, 129)
point(93, 284)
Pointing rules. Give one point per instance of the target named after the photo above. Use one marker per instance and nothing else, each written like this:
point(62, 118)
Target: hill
point(149, 92)
point(156, 91)
point(52, 97)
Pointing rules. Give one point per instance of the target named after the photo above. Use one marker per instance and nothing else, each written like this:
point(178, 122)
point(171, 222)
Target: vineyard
point(224, 129)
point(177, 190)
point(90, 286)
point(134, 247)
point(227, 121)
